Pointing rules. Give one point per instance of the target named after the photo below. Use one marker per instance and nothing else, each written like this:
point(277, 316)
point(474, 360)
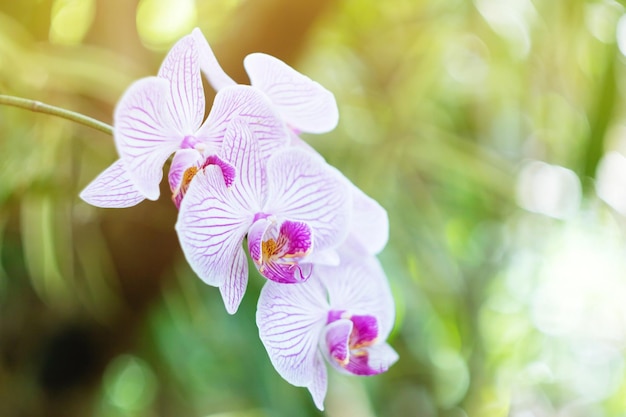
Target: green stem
point(40, 107)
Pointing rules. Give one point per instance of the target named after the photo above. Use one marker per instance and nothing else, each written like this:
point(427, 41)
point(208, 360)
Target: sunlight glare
point(611, 180)
point(547, 189)
point(70, 21)
point(161, 22)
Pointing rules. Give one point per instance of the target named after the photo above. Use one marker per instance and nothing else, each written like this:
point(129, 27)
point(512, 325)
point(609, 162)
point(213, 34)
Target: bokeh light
point(550, 190)
point(491, 130)
point(71, 20)
point(130, 384)
point(161, 22)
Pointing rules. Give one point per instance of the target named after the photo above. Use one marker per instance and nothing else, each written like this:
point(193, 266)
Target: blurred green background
point(491, 130)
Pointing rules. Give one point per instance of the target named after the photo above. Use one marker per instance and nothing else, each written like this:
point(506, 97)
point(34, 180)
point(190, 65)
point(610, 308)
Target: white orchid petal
point(181, 67)
point(302, 187)
point(304, 103)
point(319, 384)
point(208, 63)
point(370, 223)
point(112, 189)
point(234, 287)
point(290, 318)
point(241, 149)
point(143, 134)
point(254, 110)
point(211, 227)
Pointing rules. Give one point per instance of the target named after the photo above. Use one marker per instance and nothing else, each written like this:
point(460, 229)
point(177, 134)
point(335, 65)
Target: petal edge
point(112, 188)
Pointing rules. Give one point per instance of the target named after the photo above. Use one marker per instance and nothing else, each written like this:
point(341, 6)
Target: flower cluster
point(243, 177)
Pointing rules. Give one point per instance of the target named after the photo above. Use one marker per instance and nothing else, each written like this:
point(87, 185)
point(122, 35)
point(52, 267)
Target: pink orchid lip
point(348, 338)
point(276, 254)
point(180, 183)
point(179, 193)
point(365, 331)
point(228, 171)
point(184, 166)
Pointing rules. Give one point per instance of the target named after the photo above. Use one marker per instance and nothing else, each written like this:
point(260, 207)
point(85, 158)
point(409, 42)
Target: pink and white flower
point(292, 206)
point(158, 116)
point(341, 316)
point(305, 106)
point(242, 176)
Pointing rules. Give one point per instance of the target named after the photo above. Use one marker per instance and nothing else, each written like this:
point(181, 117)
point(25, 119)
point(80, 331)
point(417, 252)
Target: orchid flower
point(305, 105)
point(342, 316)
point(160, 115)
point(291, 206)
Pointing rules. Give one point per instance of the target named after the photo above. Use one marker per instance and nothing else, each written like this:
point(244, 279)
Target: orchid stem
point(40, 107)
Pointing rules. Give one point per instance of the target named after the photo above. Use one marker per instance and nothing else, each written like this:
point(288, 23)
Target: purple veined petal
point(359, 286)
point(319, 385)
point(184, 159)
point(112, 189)
point(211, 226)
point(234, 287)
point(304, 103)
point(291, 319)
point(181, 67)
point(254, 110)
point(302, 187)
point(208, 63)
point(242, 150)
point(143, 133)
point(370, 223)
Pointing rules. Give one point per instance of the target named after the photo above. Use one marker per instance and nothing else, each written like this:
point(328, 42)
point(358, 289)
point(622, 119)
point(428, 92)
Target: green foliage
point(501, 311)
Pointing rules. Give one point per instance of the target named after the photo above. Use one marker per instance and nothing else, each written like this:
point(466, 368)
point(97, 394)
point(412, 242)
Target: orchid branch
point(39, 107)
